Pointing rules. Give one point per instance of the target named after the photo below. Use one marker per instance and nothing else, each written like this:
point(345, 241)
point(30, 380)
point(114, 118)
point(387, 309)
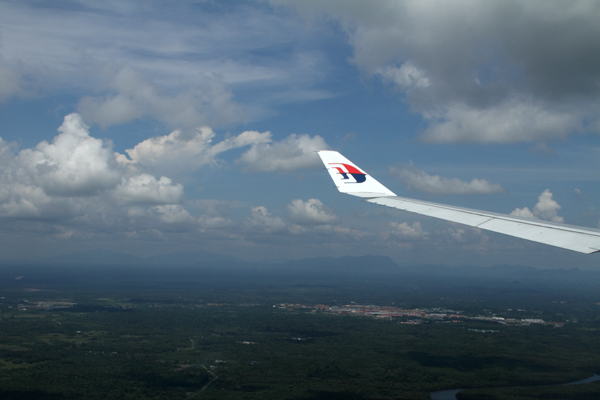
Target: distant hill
point(347, 264)
point(111, 258)
point(367, 264)
point(505, 272)
point(193, 258)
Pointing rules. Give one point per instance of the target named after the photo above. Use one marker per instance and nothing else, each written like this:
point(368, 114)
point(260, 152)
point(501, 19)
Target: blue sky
point(148, 127)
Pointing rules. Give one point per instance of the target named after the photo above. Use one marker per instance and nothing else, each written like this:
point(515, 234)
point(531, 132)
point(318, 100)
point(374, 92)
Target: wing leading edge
point(352, 180)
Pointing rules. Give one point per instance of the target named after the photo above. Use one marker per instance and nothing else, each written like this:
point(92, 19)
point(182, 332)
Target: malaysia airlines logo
point(344, 170)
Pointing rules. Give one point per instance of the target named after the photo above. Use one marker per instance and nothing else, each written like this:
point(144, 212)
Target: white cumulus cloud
point(179, 151)
point(546, 208)
point(76, 184)
point(25, 201)
point(524, 212)
point(73, 164)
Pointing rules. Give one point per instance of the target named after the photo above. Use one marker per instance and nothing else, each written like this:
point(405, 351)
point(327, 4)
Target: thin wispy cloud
point(293, 153)
point(415, 178)
point(140, 60)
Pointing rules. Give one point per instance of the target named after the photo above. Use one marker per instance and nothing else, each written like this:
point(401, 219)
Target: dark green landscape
point(251, 332)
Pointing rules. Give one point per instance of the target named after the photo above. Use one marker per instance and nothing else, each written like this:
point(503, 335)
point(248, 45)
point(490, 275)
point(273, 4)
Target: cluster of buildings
point(415, 316)
point(46, 305)
point(418, 316)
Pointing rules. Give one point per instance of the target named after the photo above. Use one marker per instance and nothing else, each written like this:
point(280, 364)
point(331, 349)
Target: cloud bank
point(76, 188)
point(73, 176)
point(77, 182)
point(486, 72)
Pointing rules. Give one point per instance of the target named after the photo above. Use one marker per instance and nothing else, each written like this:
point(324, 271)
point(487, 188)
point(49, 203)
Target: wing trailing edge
point(352, 180)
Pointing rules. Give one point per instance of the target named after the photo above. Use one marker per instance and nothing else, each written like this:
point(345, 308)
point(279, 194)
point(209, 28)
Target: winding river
point(451, 393)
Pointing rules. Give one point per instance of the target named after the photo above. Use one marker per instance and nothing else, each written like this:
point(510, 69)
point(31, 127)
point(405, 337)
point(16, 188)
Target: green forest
point(199, 337)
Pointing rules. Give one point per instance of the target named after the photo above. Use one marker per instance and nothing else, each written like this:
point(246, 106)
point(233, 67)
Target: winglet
point(350, 179)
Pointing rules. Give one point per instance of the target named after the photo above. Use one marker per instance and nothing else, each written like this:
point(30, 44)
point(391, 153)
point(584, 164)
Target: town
point(416, 316)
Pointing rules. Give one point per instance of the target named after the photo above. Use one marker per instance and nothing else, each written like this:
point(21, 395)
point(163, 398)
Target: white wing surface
point(352, 180)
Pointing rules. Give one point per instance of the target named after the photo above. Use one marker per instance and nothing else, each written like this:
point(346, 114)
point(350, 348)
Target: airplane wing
point(352, 180)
